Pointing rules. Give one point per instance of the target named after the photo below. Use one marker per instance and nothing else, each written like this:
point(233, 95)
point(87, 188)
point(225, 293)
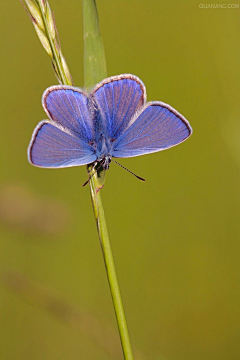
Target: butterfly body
point(102, 144)
point(112, 121)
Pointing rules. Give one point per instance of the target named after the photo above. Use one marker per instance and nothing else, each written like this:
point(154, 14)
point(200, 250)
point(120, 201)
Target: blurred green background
point(175, 238)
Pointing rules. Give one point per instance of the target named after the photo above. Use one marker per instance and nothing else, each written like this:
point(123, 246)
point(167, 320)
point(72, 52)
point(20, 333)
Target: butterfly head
point(105, 162)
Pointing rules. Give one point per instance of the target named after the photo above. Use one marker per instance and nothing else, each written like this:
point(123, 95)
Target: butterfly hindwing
point(53, 146)
point(157, 127)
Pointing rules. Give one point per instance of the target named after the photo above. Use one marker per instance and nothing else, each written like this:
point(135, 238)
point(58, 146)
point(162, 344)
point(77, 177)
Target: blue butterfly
point(112, 121)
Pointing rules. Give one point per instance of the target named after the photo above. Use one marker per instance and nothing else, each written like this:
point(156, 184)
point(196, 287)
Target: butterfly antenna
point(138, 177)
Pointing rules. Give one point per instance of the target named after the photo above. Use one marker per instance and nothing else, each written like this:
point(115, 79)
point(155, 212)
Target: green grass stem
point(95, 70)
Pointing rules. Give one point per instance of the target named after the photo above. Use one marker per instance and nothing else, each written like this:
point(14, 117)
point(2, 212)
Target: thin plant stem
point(63, 77)
point(110, 268)
point(94, 71)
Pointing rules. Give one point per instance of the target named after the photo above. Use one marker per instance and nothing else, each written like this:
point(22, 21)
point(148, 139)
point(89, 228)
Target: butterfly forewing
point(68, 106)
point(118, 99)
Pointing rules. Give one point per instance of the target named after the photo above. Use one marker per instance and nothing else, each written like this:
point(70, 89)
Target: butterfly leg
point(96, 166)
point(91, 175)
